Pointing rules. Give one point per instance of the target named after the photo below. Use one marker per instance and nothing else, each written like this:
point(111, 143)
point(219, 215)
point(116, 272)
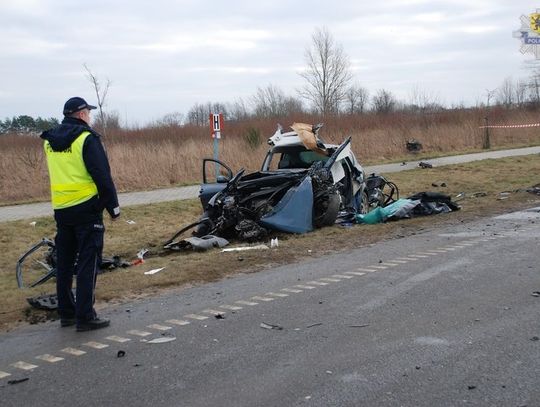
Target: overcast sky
point(164, 56)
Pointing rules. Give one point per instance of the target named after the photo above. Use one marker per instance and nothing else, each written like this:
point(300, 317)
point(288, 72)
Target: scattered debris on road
point(163, 339)
point(17, 381)
point(121, 354)
point(424, 165)
point(270, 326)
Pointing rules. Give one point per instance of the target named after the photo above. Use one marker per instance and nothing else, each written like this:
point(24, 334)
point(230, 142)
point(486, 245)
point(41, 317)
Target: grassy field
point(165, 156)
point(154, 224)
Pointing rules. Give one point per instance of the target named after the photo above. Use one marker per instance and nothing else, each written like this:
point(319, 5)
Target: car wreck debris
point(244, 248)
point(423, 164)
point(303, 184)
point(420, 204)
point(265, 325)
point(414, 146)
point(48, 265)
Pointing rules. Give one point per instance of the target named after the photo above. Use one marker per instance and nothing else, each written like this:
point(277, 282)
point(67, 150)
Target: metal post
point(487, 144)
point(216, 151)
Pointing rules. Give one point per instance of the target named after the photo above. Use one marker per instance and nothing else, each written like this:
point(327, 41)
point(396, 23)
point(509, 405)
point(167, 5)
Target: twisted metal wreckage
point(312, 185)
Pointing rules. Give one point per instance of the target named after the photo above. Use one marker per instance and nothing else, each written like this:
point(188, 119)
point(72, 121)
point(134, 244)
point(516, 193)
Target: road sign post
point(216, 125)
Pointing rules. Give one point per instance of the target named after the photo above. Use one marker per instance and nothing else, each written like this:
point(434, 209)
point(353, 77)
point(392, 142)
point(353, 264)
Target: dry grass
point(156, 223)
point(160, 157)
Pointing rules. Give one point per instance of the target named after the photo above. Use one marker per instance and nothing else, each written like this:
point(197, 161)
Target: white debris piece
point(153, 271)
point(163, 339)
point(242, 248)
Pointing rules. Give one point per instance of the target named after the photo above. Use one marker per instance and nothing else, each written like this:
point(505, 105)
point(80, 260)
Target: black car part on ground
point(49, 263)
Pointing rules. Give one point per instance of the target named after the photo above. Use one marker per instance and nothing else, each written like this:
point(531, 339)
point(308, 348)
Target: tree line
point(25, 124)
point(328, 88)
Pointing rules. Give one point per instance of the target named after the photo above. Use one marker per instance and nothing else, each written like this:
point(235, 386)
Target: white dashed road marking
point(49, 358)
point(136, 332)
point(96, 345)
point(291, 290)
point(259, 298)
point(160, 327)
point(242, 302)
point(366, 270)
point(197, 317)
point(304, 287)
point(356, 273)
point(180, 322)
point(23, 365)
point(379, 267)
point(4, 374)
point(73, 351)
point(330, 280)
point(399, 261)
point(281, 295)
point(341, 276)
point(317, 283)
point(231, 307)
point(213, 312)
point(116, 338)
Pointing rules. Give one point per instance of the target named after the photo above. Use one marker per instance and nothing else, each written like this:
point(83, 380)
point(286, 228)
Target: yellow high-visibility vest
point(71, 183)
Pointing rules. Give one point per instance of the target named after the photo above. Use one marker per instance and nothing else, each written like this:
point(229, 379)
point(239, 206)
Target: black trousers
point(79, 249)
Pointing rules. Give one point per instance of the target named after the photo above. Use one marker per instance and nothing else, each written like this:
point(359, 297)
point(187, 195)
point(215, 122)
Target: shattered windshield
point(299, 158)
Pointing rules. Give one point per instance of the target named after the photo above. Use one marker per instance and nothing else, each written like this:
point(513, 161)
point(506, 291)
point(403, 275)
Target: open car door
point(216, 175)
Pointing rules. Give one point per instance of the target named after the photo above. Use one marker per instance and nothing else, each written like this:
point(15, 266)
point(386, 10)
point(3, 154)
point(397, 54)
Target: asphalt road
point(28, 211)
point(446, 317)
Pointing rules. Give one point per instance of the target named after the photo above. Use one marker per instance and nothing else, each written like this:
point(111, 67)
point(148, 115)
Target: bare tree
point(198, 114)
point(272, 102)
point(101, 94)
point(174, 119)
point(237, 110)
point(384, 101)
point(520, 92)
point(108, 120)
point(490, 95)
point(534, 89)
point(356, 99)
point(505, 93)
point(327, 73)
point(268, 102)
point(423, 100)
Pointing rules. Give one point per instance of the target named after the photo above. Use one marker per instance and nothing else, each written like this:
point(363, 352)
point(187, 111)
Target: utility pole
point(486, 145)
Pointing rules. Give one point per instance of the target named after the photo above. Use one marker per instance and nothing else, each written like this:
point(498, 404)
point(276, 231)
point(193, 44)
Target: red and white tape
point(510, 126)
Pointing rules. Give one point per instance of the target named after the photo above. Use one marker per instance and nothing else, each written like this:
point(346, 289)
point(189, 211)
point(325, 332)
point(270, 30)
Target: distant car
point(296, 189)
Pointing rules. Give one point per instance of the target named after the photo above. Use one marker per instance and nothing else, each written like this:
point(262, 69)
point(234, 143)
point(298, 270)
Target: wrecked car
point(303, 184)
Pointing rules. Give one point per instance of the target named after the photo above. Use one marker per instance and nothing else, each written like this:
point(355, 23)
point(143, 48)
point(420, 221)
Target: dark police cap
point(75, 104)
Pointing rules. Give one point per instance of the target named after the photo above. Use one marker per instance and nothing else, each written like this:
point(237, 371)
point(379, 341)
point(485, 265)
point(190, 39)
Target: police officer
point(81, 188)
